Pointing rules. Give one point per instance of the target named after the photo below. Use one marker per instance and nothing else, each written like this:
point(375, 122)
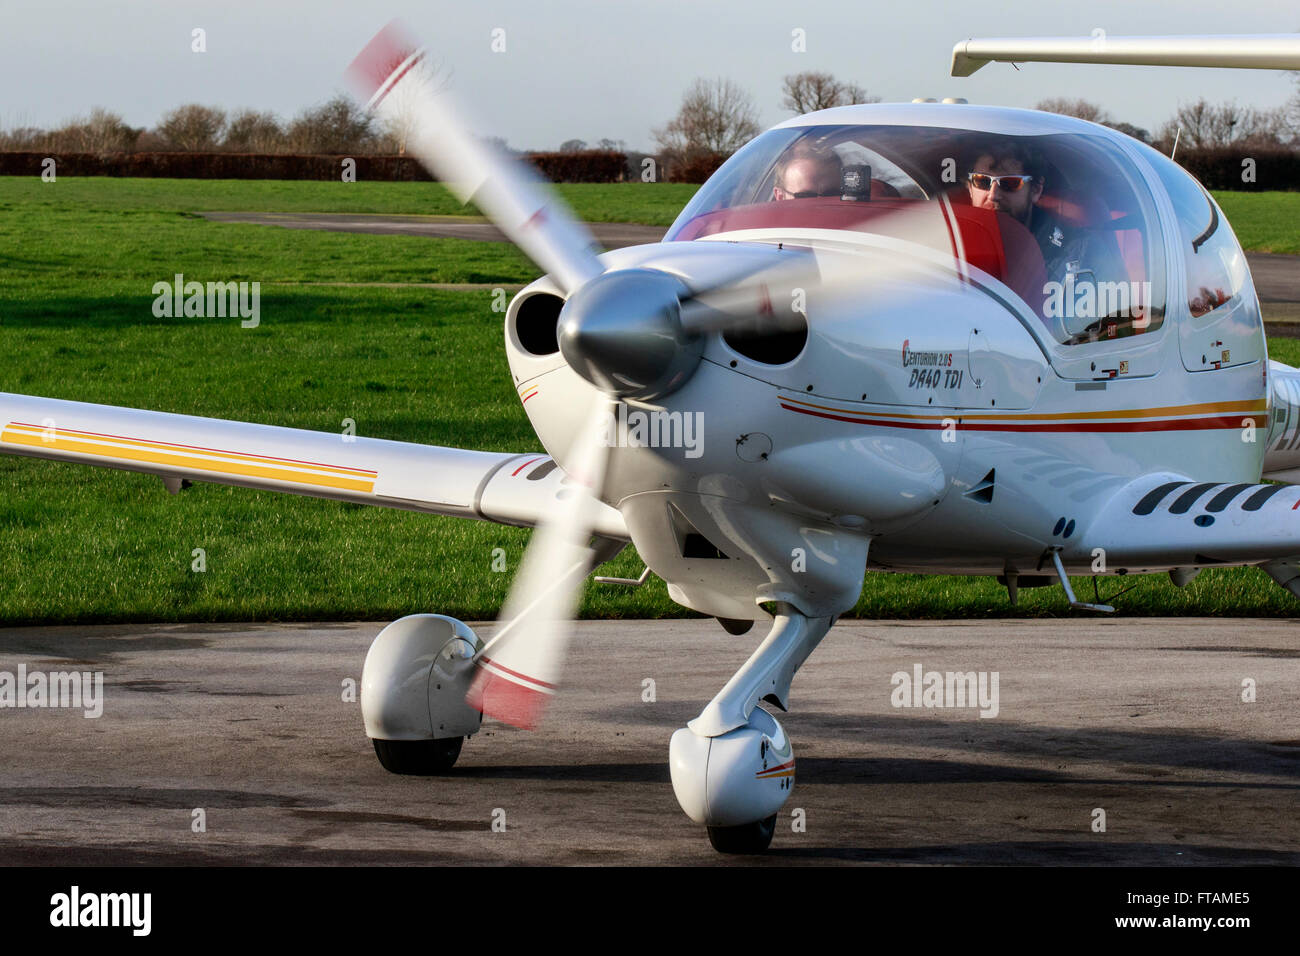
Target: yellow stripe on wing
point(324, 476)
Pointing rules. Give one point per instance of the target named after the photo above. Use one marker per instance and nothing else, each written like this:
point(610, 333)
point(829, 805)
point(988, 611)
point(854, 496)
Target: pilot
point(804, 175)
point(1010, 178)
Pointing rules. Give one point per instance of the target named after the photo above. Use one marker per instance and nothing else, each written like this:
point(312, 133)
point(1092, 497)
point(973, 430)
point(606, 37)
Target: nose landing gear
point(733, 766)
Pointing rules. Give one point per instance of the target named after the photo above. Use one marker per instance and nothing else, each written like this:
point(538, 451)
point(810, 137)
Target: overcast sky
point(588, 69)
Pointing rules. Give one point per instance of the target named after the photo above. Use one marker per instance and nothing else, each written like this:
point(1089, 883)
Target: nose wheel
point(748, 838)
point(420, 758)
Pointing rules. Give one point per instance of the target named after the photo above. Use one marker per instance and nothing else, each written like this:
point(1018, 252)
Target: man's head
point(808, 174)
point(1007, 178)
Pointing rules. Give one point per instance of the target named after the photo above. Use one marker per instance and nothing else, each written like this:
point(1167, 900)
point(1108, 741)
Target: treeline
point(201, 142)
point(1225, 145)
point(335, 127)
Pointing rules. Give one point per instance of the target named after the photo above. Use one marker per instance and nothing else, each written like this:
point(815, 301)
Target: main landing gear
point(413, 687)
point(733, 766)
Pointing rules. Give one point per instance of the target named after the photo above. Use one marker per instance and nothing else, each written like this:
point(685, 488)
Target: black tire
point(748, 838)
point(421, 758)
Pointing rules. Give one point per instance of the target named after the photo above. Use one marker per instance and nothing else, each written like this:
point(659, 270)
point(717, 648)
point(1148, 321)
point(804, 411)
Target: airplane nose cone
point(622, 331)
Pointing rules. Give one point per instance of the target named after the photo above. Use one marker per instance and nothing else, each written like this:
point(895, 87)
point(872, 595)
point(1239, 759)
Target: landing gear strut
point(733, 766)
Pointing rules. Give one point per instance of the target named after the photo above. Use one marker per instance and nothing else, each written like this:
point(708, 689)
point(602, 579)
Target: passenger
point(804, 175)
point(1010, 178)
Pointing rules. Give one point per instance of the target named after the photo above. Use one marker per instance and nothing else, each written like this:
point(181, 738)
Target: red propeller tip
point(508, 696)
point(383, 62)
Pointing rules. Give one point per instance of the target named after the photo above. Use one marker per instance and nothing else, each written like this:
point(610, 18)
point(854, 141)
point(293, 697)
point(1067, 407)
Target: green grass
point(77, 263)
point(1264, 222)
point(81, 544)
point(655, 204)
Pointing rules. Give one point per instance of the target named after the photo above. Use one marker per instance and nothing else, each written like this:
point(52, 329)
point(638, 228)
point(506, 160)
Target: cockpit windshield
point(1063, 220)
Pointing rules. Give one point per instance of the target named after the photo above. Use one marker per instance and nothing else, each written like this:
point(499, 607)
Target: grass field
point(78, 260)
point(1264, 222)
point(655, 204)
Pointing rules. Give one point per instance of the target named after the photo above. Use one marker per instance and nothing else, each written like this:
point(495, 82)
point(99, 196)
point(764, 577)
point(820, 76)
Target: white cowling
point(415, 678)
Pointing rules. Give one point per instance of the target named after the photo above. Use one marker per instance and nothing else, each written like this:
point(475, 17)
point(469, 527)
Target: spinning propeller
point(633, 333)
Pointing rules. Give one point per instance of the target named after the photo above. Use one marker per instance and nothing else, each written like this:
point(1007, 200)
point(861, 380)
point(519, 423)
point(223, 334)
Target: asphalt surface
point(1140, 718)
point(1277, 277)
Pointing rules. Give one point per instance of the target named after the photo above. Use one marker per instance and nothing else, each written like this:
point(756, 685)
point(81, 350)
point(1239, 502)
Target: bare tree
point(24, 139)
point(100, 132)
point(855, 95)
point(1257, 127)
point(716, 116)
point(573, 146)
point(1291, 112)
point(252, 132)
point(336, 126)
point(192, 127)
point(1206, 125)
point(612, 145)
point(1083, 109)
point(811, 91)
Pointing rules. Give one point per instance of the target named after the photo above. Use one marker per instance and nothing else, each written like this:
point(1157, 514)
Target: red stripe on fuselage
point(1155, 425)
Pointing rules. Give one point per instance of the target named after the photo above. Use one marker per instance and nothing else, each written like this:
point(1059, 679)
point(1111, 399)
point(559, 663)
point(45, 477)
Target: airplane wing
point(513, 489)
point(1280, 51)
point(1167, 520)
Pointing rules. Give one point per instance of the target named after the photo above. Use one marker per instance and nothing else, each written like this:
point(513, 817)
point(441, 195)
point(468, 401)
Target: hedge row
point(696, 169)
point(585, 167)
point(1228, 168)
point(1242, 168)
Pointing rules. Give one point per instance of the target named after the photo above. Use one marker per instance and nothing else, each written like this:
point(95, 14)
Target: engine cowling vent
point(770, 346)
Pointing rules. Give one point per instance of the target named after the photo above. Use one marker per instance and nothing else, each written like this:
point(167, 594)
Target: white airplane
point(933, 338)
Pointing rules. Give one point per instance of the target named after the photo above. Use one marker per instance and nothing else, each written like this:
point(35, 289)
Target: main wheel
point(747, 838)
point(421, 758)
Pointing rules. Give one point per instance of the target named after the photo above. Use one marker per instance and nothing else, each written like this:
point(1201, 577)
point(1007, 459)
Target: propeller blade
point(777, 299)
point(768, 298)
point(519, 667)
point(774, 299)
point(387, 75)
